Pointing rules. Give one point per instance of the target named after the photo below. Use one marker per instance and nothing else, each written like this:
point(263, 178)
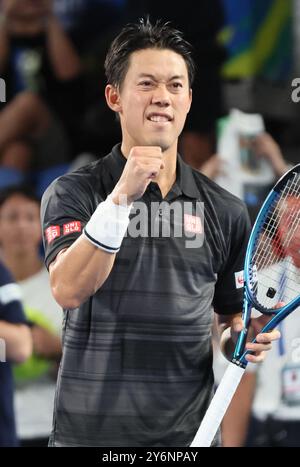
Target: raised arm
point(80, 270)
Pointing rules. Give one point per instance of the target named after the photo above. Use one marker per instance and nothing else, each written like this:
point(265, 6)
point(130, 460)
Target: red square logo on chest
point(192, 224)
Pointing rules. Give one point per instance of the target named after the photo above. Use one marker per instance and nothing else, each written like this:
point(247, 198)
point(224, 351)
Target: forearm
point(64, 58)
point(18, 342)
point(79, 272)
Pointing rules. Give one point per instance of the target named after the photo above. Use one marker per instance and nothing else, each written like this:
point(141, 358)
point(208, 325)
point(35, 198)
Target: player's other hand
point(264, 340)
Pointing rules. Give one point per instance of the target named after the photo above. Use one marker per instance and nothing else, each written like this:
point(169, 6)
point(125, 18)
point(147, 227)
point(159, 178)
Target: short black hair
point(24, 190)
point(144, 35)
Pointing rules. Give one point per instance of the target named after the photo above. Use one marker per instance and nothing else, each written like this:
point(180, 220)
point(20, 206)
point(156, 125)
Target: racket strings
point(269, 237)
point(277, 247)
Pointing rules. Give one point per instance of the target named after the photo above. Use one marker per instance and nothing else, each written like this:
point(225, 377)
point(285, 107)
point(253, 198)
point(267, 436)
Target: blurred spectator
point(24, 124)
point(275, 417)
point(15, 346)
point(251, 187)
point(37, 58)
point(264, 147)
point(20, 240)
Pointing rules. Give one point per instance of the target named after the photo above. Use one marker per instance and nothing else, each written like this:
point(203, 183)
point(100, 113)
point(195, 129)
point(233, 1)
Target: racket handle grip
point(242, 339)
point(240, 345)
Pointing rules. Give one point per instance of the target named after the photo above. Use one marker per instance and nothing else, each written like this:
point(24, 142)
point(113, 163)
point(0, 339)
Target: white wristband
point(107, 226)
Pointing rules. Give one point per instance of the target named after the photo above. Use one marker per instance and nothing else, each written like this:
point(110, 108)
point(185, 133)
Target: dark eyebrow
point(177, 77)
point(149, 75)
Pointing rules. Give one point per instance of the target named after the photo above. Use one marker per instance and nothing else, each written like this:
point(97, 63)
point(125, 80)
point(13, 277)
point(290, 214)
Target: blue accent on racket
point(275, 238)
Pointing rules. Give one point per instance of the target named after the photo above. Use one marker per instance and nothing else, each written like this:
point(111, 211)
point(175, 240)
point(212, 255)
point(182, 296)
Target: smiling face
point(153, 100)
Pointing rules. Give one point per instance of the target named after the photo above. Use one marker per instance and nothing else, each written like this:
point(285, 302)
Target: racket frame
point(249, 299)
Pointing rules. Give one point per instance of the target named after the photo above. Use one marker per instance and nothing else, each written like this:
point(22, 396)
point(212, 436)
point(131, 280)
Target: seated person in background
point(15, 346)
point(20, 240)
point(37, 58)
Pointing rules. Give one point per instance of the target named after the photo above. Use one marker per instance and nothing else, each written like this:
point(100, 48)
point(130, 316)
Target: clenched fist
point(143, 165)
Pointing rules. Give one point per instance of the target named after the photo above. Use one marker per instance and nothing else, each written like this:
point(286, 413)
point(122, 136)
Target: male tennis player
point(137, 360)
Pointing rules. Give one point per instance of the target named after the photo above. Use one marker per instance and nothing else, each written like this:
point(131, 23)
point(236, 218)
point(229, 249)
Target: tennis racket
point(274, 243)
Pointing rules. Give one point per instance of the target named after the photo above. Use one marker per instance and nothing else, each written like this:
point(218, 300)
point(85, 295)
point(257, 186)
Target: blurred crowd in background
point(243, 131)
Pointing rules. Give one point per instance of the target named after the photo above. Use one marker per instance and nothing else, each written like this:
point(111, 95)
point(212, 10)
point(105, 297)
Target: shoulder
point(222, 202)
point(84, 178)
point(83, 188)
